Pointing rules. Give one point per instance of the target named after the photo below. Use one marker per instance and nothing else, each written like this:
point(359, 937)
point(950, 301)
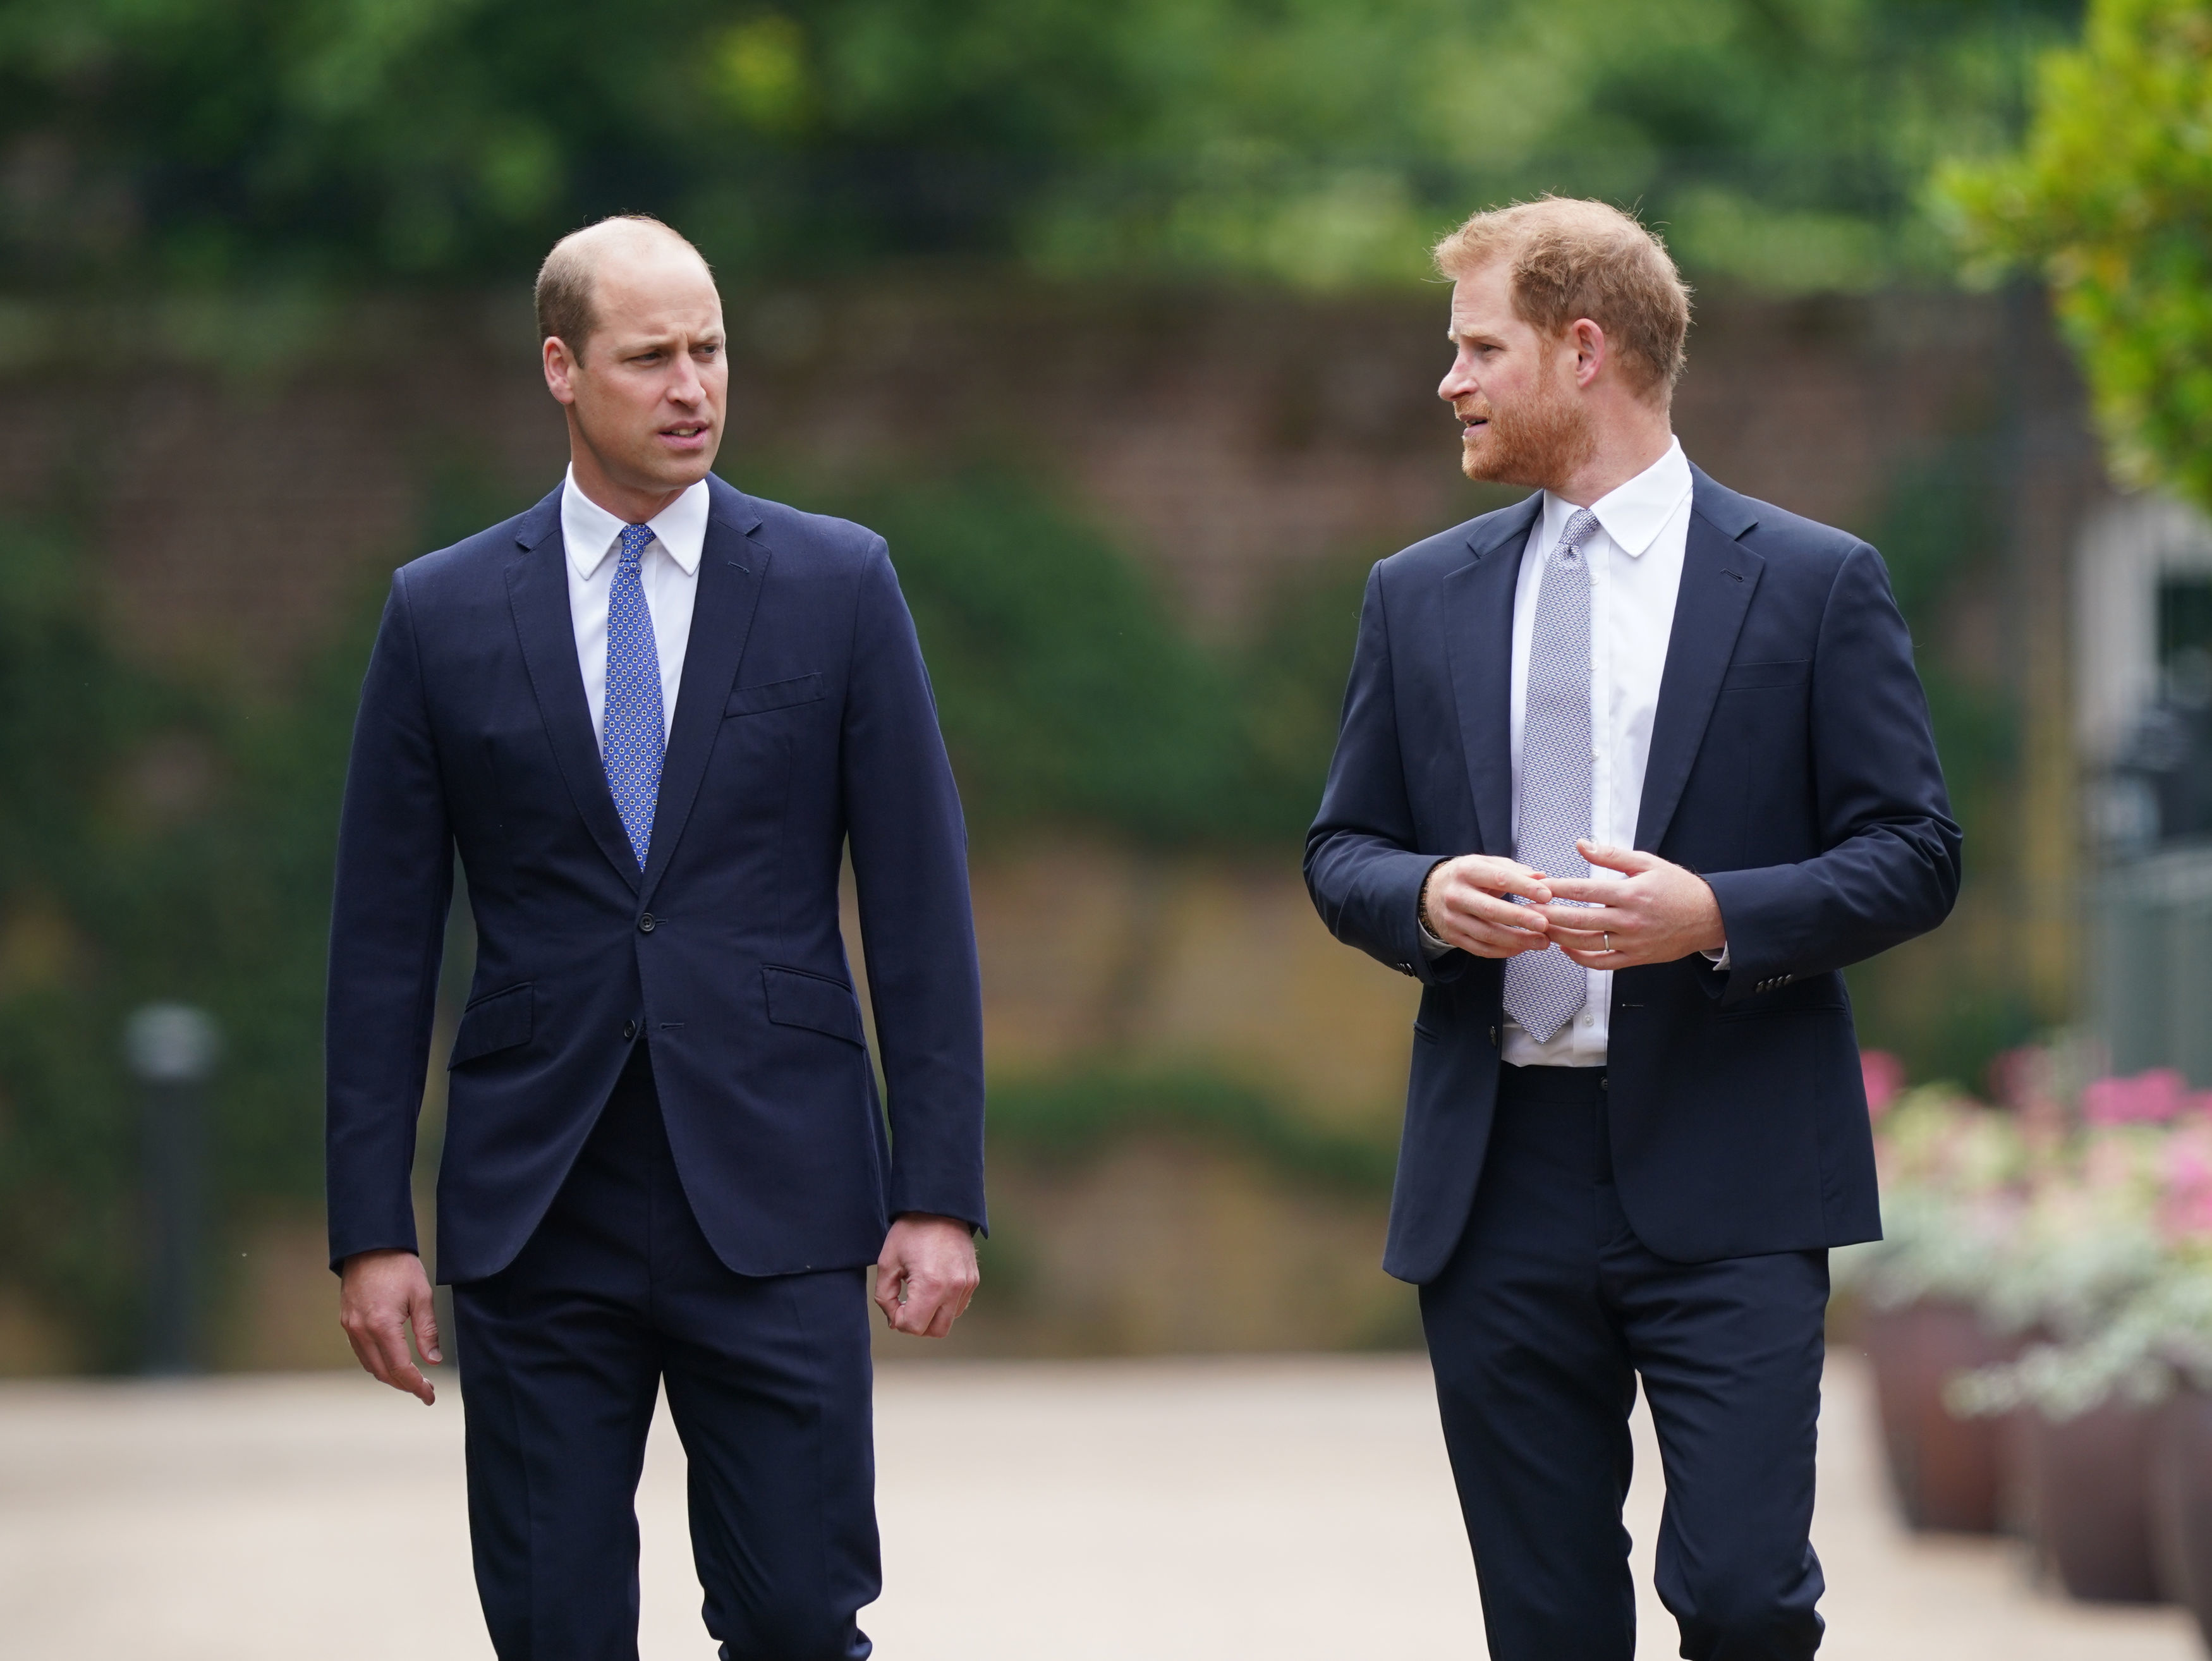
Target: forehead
point(648, 285)
point(1482, 302)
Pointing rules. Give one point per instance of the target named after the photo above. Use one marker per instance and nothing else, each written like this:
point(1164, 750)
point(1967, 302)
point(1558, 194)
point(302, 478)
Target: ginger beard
point(1538, 440)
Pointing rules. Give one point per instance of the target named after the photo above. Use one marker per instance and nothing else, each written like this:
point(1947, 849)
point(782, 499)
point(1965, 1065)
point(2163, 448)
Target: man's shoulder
point(475, 558)
point(822, 538)
point(1439, 555)
point(1772, 533)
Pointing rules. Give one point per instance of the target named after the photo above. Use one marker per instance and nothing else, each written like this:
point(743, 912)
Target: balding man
point(652, 715)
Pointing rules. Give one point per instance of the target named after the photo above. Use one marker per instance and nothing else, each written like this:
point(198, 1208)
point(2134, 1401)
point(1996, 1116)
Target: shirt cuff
point(1433, 947)
point(1718, 959)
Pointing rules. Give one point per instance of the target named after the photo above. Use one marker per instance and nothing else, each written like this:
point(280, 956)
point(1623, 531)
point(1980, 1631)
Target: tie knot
point(633, 538)
point(1580, 529)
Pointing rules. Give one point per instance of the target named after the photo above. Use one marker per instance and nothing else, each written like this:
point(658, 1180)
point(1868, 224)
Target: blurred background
point(1115, 320)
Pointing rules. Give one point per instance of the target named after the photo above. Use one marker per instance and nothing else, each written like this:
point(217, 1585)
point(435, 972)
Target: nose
point(687, 387)
point(1457, 383)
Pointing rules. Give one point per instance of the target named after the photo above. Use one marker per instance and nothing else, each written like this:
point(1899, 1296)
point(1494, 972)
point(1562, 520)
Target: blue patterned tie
point(634, 735)
point(1543, 990)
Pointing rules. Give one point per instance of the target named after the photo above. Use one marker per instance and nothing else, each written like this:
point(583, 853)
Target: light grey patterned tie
point(1543, 990)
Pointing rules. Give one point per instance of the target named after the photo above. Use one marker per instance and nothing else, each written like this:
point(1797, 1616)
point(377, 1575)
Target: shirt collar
point(589, 530)
point(1633, 514)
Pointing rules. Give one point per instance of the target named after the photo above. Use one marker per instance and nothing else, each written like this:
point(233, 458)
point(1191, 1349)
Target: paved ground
point(1294, 1510)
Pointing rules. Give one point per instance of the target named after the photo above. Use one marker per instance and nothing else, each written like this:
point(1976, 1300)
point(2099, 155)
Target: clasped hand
point(1654, 912)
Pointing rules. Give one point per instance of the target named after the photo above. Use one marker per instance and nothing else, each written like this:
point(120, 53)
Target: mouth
point(1473, 426)
point(684, 435)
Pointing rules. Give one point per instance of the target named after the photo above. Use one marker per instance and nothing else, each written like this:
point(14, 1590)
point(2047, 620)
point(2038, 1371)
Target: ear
point(559, 369)
point(1592, 350)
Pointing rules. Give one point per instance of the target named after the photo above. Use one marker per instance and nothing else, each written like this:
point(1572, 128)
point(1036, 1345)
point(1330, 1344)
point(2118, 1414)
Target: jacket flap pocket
point(1744, 676)
point(776, 695)
point(498, 1022)
point(796, 998)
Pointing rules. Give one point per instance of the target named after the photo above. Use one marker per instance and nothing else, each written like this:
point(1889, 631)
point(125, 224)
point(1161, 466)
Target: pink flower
point(2152, 1098)
point(1885, 1078)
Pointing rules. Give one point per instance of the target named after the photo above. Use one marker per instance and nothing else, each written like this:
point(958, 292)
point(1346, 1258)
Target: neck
point(630, 503)
point(1628, 441)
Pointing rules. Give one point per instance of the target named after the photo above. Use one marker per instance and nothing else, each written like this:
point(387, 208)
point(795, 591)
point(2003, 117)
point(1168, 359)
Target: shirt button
point(645, 924)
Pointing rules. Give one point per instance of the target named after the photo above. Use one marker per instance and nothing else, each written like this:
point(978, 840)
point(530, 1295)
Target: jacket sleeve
point(1363, 865)
point(909, 849)
point(394, 884)
point(1892, 865)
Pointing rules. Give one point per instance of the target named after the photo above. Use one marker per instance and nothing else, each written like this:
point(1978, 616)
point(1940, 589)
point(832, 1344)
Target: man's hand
point(1658, 913)
point(1466, 908)
point(926, 1275)
point(382, 1296)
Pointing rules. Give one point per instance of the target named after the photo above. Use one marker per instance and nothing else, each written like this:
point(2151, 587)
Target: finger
point(1474, 905)
point(888, 1276)
point(1631, 860)
point(423, 1317)
point(1587, 890)
point(1487, 942)
point(400, 1369)
point(1589, 920)
point(916, 1313)
point(1482, 874)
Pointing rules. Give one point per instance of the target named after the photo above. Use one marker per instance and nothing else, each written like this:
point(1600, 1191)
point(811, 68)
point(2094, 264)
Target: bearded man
point(1628, 773)
point(652, 716)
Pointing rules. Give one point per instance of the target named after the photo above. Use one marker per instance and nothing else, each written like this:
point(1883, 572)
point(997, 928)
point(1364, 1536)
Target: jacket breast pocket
point(775, 695)
point(796, 998)
point(1752, 677)
point(498, 1021)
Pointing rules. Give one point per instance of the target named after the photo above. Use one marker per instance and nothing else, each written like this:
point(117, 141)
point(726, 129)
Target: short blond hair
point(1573, 259)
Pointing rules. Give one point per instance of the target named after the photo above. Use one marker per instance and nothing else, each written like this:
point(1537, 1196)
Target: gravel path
point(1295, 1509)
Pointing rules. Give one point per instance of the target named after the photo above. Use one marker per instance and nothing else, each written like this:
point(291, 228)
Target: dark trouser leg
point(1534, 1381)
point(562, 1354)
point(782, 1472)
point(769, 1382)
point(560, 1370)
point(1730, 1355)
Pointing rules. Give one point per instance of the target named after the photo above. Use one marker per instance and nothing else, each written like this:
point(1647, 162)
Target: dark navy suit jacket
point(1792, 765)
point(804, 723)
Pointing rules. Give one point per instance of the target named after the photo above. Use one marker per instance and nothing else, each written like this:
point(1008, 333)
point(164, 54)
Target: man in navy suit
point(1628, 773)
point(652, 715)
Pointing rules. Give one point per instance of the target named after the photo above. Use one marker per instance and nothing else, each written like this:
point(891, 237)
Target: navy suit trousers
point(562, 1356)
point(1539, 1327)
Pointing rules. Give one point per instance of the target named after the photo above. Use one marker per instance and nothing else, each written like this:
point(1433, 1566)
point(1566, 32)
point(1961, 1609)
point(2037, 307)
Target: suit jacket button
point(629, 1030)
point(1494, 1037)
point(645, 923)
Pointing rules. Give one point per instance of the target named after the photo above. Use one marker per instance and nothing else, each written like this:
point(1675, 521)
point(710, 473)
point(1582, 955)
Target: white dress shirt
point(1635, 571)
point(669, 572)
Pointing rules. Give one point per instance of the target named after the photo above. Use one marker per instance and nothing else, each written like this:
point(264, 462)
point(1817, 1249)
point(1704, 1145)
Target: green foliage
point(1322, 141)
point(1072, 1117)
point(2109, 198)
point(1941, 529)
point(1068, 696)
point(154, 844)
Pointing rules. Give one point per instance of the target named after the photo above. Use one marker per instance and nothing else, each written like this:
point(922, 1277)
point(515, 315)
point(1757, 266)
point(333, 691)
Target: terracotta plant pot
point(1949, 1473)
point(2090, 1480)
point(2181, 1503)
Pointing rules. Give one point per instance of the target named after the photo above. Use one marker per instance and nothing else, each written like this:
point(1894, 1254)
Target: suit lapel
point(732, 566)
point(1719, 576)
point(537, 594)
point(1478, 640)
